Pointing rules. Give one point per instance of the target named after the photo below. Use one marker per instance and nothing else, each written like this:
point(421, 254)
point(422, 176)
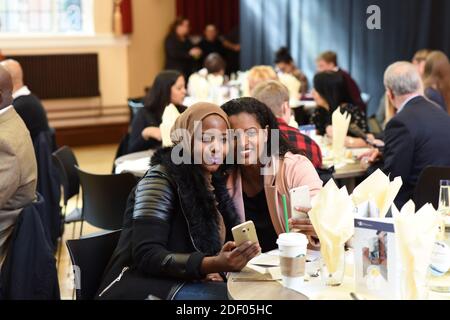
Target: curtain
point(308, 27)
point(223, 13)
point(127, 18)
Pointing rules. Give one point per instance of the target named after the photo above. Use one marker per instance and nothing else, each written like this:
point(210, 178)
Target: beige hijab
point(183, 131)
point(191, 119)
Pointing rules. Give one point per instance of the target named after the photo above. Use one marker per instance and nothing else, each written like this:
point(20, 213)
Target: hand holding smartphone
point(245, 232)
point(300, 198)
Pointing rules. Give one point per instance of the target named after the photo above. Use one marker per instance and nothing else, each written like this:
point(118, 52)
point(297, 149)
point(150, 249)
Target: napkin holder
point(377, 268)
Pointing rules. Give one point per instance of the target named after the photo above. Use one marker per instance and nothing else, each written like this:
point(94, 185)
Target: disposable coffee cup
point(292, 247)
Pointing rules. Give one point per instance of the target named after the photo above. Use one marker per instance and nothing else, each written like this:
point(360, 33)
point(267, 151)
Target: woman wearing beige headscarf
point(178, 218)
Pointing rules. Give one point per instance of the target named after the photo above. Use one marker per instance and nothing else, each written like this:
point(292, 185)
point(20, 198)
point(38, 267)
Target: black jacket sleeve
point(137, 142)
point(153, 209)
point(176, 50)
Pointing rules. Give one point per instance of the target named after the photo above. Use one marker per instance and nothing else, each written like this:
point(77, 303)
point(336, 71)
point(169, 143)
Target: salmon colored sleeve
point(300, 172)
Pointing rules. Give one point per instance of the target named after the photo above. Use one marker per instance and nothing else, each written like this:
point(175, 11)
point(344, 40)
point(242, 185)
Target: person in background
point(257, 186)
point(211, 43)
point(168, 88)
point(330, 93)
point(215, 64)
point(231, 43)
point(26, 104)
point(18, 168)
point(181, 55)
point(436, 79)
point(419, 60)
point(328, 61)
point(276, 96)
point(178, 219)
point(212, 73)
point(285, 64)
point(415, 137)
point(260, 74)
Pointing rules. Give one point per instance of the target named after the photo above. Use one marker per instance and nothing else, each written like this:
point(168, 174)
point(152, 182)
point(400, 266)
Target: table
point(259, 290)
point(312, 289)
point(349, 173)
point(136, 163)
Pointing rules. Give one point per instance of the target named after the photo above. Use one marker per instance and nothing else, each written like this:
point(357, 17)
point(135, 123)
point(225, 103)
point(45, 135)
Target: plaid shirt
point(304, 143)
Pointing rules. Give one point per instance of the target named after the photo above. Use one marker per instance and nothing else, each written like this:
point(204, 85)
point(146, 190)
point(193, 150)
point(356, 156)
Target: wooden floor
point(94, 159)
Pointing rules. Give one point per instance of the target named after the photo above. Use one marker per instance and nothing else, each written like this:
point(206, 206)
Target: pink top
point(282, 175)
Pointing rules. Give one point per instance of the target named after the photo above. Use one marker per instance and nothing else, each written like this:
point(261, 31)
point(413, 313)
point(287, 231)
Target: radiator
point(61, 76)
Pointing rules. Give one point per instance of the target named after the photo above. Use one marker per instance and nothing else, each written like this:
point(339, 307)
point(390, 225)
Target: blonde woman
point(436, 79)
point(260, 74)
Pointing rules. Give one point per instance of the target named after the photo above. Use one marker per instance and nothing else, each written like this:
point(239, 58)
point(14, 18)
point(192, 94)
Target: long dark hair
point(173, 27)
point(331, 87)
point(159, 97)
point(265, 118)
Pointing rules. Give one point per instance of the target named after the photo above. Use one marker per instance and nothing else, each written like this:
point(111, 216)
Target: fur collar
point(198, 204)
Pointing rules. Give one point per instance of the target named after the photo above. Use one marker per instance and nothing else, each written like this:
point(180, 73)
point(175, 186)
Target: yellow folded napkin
point(377, 189)
point(341, 123)
point(415, 235)
point(333, 221)
point(292, 84)
point(169, 117)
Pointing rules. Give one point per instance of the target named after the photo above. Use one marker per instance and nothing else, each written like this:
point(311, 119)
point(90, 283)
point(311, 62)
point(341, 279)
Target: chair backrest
point(66, 162)
point(135, 104)
point(105, 198)
point(427, 189)
point(90, 257)
point(374, 126)
point(121, 150)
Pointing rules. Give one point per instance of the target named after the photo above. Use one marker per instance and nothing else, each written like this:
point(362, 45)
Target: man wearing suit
point(328, 61)
point(18, 170)
point(419, 134)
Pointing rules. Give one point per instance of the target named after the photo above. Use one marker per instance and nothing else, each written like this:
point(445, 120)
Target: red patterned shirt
point(304, 143)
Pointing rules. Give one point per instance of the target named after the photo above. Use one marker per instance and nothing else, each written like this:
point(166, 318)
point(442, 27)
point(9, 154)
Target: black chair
point(135, 104)
point(90, 257)
point(66, 162)
point(427, 189)
point(121, 150)
point(105, 198)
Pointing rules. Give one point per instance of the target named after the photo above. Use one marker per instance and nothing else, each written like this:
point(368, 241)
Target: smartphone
point(245, 232)
point(300, 198)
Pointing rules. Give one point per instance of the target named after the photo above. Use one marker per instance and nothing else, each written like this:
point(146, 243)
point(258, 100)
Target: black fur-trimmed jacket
point(170, 225)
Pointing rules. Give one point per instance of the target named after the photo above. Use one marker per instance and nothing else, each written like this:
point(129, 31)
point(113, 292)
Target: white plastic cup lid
point(292, 239)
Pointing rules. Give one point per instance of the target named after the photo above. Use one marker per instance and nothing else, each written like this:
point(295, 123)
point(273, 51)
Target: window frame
point(88, 26)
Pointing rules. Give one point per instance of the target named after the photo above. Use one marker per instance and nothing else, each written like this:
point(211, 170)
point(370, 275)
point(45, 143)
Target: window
point(46, 16)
